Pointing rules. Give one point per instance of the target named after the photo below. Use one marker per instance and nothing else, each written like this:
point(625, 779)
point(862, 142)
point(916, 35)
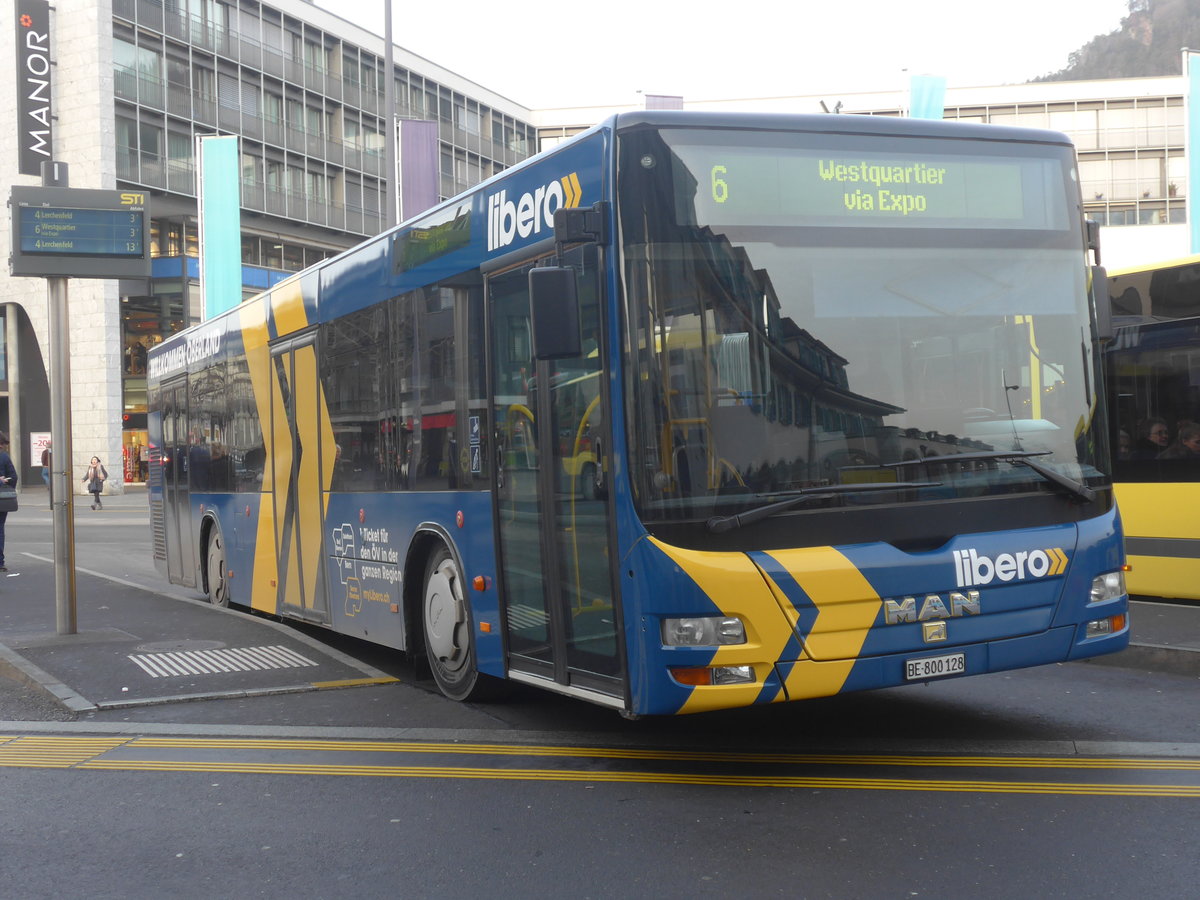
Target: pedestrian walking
point(47, 461)
point(95, 478)
point(8, 491)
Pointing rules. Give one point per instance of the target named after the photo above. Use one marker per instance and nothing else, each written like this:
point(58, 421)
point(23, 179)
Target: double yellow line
point(152, 754)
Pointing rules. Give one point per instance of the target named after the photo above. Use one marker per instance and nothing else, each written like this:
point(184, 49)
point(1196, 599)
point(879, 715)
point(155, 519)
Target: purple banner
point(417, 162)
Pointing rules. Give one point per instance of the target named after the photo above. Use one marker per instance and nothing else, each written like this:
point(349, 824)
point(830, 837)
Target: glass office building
point(304, 90)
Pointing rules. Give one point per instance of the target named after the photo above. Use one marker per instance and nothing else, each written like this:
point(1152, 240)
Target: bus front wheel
point(448, 637)
point(214, 569)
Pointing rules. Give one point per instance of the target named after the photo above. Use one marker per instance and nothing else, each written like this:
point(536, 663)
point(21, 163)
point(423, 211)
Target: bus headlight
point(1101, 627)
point(695, 677)
point(1108, 586)
point(703, 631)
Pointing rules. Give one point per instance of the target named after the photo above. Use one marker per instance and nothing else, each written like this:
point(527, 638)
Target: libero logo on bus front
point(972, 569)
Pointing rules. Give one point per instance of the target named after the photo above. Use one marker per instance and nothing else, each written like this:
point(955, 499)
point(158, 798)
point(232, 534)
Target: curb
point(19, 669)
point(1154, 657)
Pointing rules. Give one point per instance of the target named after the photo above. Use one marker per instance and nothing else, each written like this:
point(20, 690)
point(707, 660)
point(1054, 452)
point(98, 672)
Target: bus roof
point(1192, 260)
point(844, 124)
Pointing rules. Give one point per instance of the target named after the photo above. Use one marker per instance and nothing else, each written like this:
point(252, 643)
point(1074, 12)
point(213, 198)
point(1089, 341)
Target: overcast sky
point(551, 53)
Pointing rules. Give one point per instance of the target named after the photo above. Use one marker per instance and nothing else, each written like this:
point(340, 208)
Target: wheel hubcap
point(443, 613)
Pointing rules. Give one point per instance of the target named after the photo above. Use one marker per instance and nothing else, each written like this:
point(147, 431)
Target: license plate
point(935, 666)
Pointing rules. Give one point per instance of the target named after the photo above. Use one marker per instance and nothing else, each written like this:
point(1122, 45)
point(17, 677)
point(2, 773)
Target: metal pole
point(389, 116)
point(60, 475)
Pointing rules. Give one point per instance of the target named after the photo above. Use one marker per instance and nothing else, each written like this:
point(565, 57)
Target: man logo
point(933, 606)
point(531, 212)
point(971, 569)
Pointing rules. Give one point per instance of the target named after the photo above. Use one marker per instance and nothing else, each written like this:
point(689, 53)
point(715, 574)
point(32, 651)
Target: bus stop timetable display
point(81, 233)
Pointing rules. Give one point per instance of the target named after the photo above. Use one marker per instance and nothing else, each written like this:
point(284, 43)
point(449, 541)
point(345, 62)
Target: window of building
point(250, 98)
point(272, 37)
point(371, 82)
point(272, 107)
point(228, 91)
point(275, 176)
point(293, 257)
point(1118, 127)
point(203, 79)
point(1176, 176)
point(179, 150)
point(251, 253)
point(248, 25)
point(295, 114)
point(467, 118)
point(350, 72)
point(252, 170)
point(316, 56)
point(351, 131)
point(316, 186)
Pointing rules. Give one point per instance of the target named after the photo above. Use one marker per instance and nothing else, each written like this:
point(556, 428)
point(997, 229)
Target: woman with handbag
point(8, 491)
point(95, 478)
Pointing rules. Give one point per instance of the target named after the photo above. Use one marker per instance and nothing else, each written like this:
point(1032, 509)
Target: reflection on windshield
point(761, 365)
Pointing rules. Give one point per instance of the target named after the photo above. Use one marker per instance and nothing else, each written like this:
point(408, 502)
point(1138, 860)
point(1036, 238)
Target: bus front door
point(299, 429)
point(182, 555)
point(561, 616)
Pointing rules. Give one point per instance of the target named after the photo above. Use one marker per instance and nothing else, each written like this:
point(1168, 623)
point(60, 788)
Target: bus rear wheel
point(214, 569)
point(449, 644)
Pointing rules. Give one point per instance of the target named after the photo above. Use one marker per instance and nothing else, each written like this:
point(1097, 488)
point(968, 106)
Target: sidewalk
point(136, 646)
point(139, 646)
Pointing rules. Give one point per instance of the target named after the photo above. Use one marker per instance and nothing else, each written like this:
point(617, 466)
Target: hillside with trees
point(1148, 42)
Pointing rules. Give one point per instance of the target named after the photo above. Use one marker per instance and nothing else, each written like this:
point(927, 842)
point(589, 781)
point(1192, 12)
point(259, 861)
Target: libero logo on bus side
point(972, 569)
point(531, 213)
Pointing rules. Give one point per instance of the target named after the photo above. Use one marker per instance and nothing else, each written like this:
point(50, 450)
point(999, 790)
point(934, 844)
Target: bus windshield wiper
point(721, 524)
point(1076, 489)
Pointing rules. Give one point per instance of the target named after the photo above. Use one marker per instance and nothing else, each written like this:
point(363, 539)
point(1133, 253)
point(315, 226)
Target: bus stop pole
point(61, 489)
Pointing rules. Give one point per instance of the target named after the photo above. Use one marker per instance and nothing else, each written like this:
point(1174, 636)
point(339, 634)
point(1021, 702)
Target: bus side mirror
point(554, 313)
point(1102, 305)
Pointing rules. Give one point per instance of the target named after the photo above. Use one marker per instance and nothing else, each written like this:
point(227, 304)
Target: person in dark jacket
point(95, 478)
point(8, 478)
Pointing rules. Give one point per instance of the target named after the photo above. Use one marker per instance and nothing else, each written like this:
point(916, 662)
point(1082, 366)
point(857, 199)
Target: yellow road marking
point(1068, 762)
point(876, 784)
point(354, 682)
point(92, 753)
point(53, 752)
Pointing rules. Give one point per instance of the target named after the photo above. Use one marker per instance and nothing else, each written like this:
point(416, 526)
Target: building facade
point(135, 83)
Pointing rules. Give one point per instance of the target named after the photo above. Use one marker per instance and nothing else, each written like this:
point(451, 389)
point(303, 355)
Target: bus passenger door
point(177, 507)
point(299, 427)
point(561, 617)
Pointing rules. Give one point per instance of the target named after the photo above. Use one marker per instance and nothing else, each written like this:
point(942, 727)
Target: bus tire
point(449, 644)
point(215, 582)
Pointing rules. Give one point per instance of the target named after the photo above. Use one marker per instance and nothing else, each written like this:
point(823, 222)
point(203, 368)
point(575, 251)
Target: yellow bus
point(1153, 368)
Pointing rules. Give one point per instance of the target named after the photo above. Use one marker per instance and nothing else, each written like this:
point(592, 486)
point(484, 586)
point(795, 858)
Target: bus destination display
point(741, 187)
point(81, 232)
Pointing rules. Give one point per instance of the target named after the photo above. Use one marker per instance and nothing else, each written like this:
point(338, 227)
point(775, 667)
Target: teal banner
point(220, 225)
point(927, 97)
point(1193, 150)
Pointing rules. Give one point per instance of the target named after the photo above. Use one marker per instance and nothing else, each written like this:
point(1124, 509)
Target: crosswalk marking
point(215, 662)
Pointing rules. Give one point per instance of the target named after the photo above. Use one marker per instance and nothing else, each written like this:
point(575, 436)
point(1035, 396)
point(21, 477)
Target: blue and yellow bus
point(1154, 395)
point(692, 411)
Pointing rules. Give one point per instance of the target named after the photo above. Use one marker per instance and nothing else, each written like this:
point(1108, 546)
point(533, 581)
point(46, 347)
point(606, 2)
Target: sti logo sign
point(33, 85)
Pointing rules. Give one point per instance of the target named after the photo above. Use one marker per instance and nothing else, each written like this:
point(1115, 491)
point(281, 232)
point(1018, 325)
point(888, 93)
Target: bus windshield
point(808, 310)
